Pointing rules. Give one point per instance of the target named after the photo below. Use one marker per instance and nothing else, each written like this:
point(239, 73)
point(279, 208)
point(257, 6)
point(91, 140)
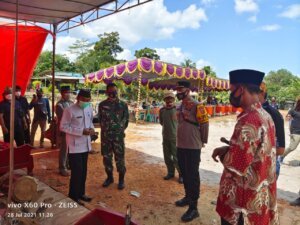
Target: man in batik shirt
point(247, 192)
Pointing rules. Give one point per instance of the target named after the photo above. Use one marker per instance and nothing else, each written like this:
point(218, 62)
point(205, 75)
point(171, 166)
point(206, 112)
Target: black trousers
point(27, 136)
point(241, 221)
point(188, 161)
point(18, 137)
point(78, 165)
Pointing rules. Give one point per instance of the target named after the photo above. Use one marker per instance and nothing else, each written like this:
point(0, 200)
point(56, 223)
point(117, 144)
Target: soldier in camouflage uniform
point(61, 105)
point(113, 118)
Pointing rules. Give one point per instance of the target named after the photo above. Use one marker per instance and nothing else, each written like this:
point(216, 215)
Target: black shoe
point(121, 184)
point(79, 202)
point(190, 214)
point(86, 198)
point(168, 177)
point(107, 182)
point(296, 202)
point(183, 202)
point(180, 180)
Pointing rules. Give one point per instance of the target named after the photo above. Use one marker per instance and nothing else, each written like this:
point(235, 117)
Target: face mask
point(18, 94)
point(181, 96)
point(235, 101)
point(66, 96)
point(112, 94)
point(83, 105)
point(8, 97)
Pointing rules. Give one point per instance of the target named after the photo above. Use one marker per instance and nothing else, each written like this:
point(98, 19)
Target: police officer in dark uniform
point(113, 117)
point(192, 134)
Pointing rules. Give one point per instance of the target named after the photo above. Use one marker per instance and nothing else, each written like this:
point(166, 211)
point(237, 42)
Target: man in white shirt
point(77, 123)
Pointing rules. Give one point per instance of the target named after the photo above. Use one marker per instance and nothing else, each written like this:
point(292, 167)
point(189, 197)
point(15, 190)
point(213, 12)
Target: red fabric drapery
point(30, 43)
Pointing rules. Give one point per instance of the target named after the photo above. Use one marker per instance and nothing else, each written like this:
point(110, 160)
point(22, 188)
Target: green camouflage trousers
point(170, 156)
point(113, 144)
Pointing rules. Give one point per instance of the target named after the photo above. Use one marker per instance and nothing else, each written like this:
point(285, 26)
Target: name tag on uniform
point(78, 116)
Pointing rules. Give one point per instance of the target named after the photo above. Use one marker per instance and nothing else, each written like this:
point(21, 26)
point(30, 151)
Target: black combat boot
point(109, 180)
point(183, 202)
point(191, 213)
point(121, 184)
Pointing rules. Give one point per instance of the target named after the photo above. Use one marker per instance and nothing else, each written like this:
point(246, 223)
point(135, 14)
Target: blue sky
point(225, 34)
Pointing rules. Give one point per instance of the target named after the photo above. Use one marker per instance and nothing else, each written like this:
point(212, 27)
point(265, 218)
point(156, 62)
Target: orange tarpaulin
point(30, 43)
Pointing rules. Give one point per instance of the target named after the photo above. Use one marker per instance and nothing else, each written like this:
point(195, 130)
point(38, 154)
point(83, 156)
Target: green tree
point(102, 55)
point(209, 71)
point(283, 85)
point(148, 53)
point(188, 63)
point(44, 64)
point(80, 47)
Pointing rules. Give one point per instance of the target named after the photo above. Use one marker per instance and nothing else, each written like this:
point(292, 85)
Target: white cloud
point(201, 63)
point(172, 55)
point(152, 21)
point(125, 55)
point(62, 46)
point(207, 2)
point(242, 6)
point(272, 27)
point(252, 19)
point(292, 12)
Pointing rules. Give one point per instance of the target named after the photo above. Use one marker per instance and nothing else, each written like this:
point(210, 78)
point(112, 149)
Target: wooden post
point(139, 97)
point(12, 107)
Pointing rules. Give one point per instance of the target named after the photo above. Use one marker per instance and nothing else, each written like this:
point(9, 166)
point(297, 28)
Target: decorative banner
point(127, 80)
point(156, 69)
point(195, 74)
point(131, 66)
point(107, 81)
point(145, 65)
point(109, 72)
point(179, 72)
point(144, 81)
point(202, 74)
point(99, 75)
point(159, 68)
point(120, 70)
point(170, 69)
point(188, 73)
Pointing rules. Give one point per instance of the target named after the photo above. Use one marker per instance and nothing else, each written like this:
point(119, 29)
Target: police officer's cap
point(86, 93)
point(169, 94)
point(65, 89)
point(184, 84)
point(246, 76)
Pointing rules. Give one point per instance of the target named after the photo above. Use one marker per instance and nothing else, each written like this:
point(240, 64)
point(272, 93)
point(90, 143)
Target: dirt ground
point(145, 171)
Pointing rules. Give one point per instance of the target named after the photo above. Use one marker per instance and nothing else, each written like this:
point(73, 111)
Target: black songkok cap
point(65, 89)
point(185, 84)
point(246, 76)
point(85, 93)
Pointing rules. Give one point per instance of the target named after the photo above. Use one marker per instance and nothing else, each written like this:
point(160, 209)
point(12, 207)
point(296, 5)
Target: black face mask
point(112, 94)
point(235, 101)
point(181, 96)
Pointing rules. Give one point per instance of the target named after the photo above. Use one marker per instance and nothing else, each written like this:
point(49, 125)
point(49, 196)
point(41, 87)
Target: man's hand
point(86, 131)
point(92, 131)
point(220, 152)
point(5, 130)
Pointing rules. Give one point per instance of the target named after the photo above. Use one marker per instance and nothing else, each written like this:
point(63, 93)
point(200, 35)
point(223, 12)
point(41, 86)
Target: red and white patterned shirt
point(248, 183)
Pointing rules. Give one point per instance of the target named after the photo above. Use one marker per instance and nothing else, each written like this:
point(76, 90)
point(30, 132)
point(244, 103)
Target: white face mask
point(8, 97)
point(18, 93)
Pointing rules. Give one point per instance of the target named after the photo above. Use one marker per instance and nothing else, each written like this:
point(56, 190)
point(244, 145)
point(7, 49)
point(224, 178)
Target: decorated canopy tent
point(157, 75)
point(147, 70)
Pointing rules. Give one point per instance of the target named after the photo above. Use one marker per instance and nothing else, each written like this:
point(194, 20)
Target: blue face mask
point(83, 105)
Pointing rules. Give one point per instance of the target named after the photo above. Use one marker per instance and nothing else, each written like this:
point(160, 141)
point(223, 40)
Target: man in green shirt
point(168, 120)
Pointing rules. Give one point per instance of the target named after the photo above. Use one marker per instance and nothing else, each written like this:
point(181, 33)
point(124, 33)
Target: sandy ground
point(145, 166)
